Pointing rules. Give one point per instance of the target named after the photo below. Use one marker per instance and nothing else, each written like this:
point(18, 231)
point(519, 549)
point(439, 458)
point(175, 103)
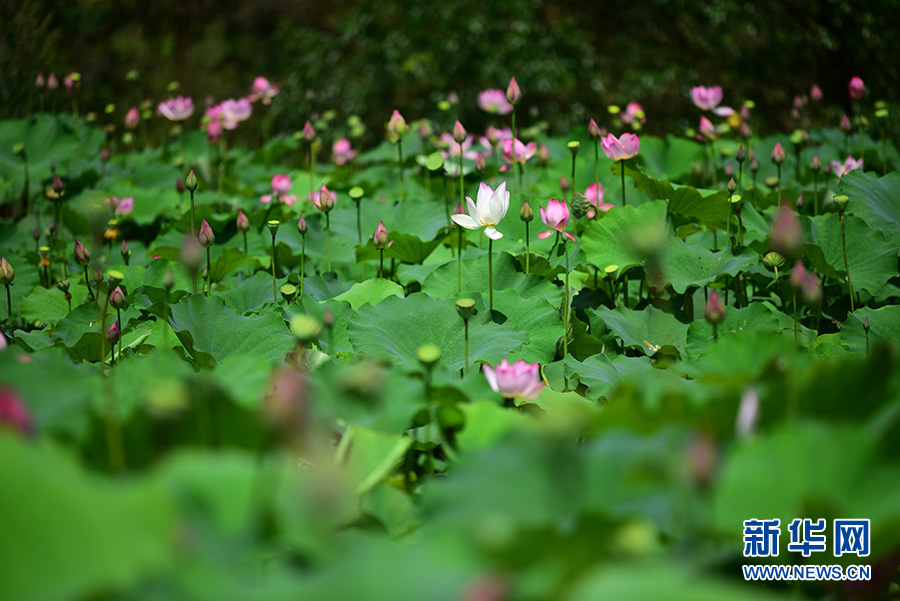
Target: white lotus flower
point(487, 212)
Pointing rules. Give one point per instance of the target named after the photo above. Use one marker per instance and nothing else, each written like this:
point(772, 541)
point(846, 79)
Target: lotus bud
point(754, 165)
point(787, 235)
point(206, 237)
point(544, 154)
point(816, 164)
point(729, 171)
point(778, 154)
point(381, 237)
point(480, 164)
point(36, 234)
point(513, 92)
point(301, 225)
point(179, 186)
point(594, 130)
point(857, 88)
point(466, 308)
point(798, 275)
point(7, 273)
point(309, 134)
point(732, 186)
point(190, 182)
point(243, 224)
point(14, 412)
point(866, 324)
point(98, 275)
point(812, 289)
point(104, 154)
point(112, 334)
point(58, 187)
point(740, 156)
point(744, 131)
point(815, 93)
point(40, 81)
point(191, 255)
point(526, 214)
point(459, 132)
point(840, 201)
point(117, 298)
point(397, 127)
point(846, 126)
point(82, 256)
point(715, 310)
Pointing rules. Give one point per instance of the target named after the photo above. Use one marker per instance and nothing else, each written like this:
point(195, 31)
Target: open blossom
point(125, 206)
point(281, 183)
point(263, 89)
point(619, 149)
point(634, 113)
point(594, 196)
point(708, 99)
point(132, 118)
point(849, 164)
point(176, 109)
point(454, 148)
point(519, 380)
point(487, 212)
point(214, 130)
point(235, 111)
point(342, 152)
point(524, 152)
point(494, 102)
point(556, 217)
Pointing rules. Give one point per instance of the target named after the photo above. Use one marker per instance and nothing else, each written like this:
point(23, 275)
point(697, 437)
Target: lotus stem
point(193, 229)
point(466, 328)
point(121, 331)
point(491, 272)
point(208, 274)
point(328, 238)
point(515, 183)
point(566, 303)
point(623, 185)
point(597, 176)
point(459, 263)
point(846, 263)
point(9, 306)
point(274, 285)
point(400, 164)
point(795, 316)
point(303, 263)
point(87, 282)
point(816, 194)
point(381, 263)
point(527, 250)
point(246, 254)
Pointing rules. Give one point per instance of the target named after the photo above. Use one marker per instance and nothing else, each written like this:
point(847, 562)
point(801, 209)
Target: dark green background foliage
point(573, 58)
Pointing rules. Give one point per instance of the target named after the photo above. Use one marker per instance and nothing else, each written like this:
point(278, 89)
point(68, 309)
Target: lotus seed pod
point(114, 278)
point(840, 201)
point(288, 292)
point(773, 259)
point(305, 328)
point(580, 205)
point(465, 307)
point(428, 355)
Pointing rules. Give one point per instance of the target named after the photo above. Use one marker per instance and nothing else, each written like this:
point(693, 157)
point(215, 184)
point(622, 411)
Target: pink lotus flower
point(14, 412)
point(235, 111)
point(281, 183)
point(556, 217)
point(454, 148)
point(323, 199)
point(857, 88)
point(342, 152)
point(132, 118)
point(634, 113)
point(494, 101)
point(263, 89)
point(849, 164)
point(706, 99)
point(495, 137)
point(176, 109)
point(125, 206)
point(618, 149)
point(214, 130)
point(524, 152)
point(520, 380)
point(111, 202)
point(309, 132)
point(596, 200)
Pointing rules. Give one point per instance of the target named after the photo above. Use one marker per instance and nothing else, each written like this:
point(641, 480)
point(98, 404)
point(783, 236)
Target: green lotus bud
point(98, 275)
point(527, 214)
point(466, 308)
point(190, 182)
point(7, 273)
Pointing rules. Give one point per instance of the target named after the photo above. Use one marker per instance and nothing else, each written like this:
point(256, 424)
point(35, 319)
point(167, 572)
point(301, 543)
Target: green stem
point(358, 224)
point(572, 188)
point(623, 183)
point(400, 160)
point(328, 239)
point(309, 166)
point(9, 306)
point(816, 194)
point(274, 285)
point(491, 272)
point(515, 184)
point(846, 264)
point(246, 254)
point(459, 263)
point(462, 188)
point(527, 250)
point(302, 263)
point(597, 176)
point(566, 303)
point(466, 327)
point(381, 263)
point(87, 282)
point(779, 182)
point(795, 316)
point(193, 230)
point(121, 331)
point(208, 273)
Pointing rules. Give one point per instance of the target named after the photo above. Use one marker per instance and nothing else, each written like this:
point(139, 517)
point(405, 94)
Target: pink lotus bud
point(113, 333)
point(381, 237)
point(594, 130)
point(480, 164)
point(564, 184)
point(513, 92)
point(811, 289)
point(325, 199)
point(301, 225)
point(125, 206)
point(799, 203)
point(744, 131)
point(459, 132)
point(14, 412)
point(104, 154)
point(98, 275)
point(715, 310)
point(519, 380)
point(556, 217)
point(544, 154)
point(778, 154)
point(243, 224)
point(815, 93)
point(798, 275)
point(787, 235)
point(397, 127)
point(132, 118)
point(40, 81)
point(816, 164)
point(281, 183)
point(206, 237)
point(52, 82)
point(741, 155)
point(82, 256)
point(748, 413)
point(857, 88)
point(846, 126)
point(117, 298)
point(58, 184)
point(707, 129)
point(124, 249)
point(69, 81)
point(7, 273)
point(460, 210)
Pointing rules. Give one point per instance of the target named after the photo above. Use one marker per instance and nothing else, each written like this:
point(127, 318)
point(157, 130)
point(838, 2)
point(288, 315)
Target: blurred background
point(571, 58)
